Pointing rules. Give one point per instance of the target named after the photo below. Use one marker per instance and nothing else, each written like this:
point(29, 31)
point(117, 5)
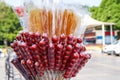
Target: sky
point(83, 2)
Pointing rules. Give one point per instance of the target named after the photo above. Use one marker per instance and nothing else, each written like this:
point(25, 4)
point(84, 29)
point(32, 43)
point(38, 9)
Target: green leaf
point(9, 23)
point(108, 11)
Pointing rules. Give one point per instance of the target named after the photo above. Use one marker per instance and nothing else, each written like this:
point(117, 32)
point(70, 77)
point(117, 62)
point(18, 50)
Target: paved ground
point(12, 71)
point(2, 69)
point(100, 67)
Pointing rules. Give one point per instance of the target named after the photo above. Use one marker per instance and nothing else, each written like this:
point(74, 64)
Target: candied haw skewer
point(15, 47)
point(88, 56)
point(74, 41)
point(70, 39)
point(71, 65)
point(34, 51)
point(66, 56)
point(37, 65)
point(43, 51)
point(76, 71)
point(58, 56)
point(37, 51)
point(19, 49)
point(82, 63)
point(82, 60)
point(45, 61)
point(30, 64)
point(77, 48)
point(37, 37)
point(85, 60)
point(51, 56)
point(83, 48)
point(32, 37)
point(23, 48)
point(79, 40)
point(29, 54)
point(19, 38)
point(55, 40)
point(63, 42)
point(46, 39)
point(14, 44)
point(18, 65)
point(78, 65)
point(39, 68)
point(28, 39)
point(62, 39)
point(23, 37)
point(23, 62)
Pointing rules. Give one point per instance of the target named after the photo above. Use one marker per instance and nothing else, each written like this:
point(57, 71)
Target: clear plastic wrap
point(50, 46)
point(51, 17)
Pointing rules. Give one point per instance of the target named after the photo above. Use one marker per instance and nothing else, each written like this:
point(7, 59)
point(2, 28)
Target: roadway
point(101, 67)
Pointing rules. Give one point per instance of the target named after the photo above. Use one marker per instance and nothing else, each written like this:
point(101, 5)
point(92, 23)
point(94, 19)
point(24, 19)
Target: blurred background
point(101, 38)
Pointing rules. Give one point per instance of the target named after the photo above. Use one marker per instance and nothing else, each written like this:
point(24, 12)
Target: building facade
point(94, 36)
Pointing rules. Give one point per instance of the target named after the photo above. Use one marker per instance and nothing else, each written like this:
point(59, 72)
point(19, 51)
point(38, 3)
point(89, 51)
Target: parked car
point(112, 49)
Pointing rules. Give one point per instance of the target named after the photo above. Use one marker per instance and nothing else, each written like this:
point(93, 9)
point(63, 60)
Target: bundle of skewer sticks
point(57, 22)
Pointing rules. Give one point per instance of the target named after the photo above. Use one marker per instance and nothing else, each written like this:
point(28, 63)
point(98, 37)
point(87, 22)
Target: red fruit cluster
point(37, 53)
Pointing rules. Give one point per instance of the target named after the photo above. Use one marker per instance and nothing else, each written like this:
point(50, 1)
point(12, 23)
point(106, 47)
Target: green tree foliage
point(9, 23)
point(108, 11)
